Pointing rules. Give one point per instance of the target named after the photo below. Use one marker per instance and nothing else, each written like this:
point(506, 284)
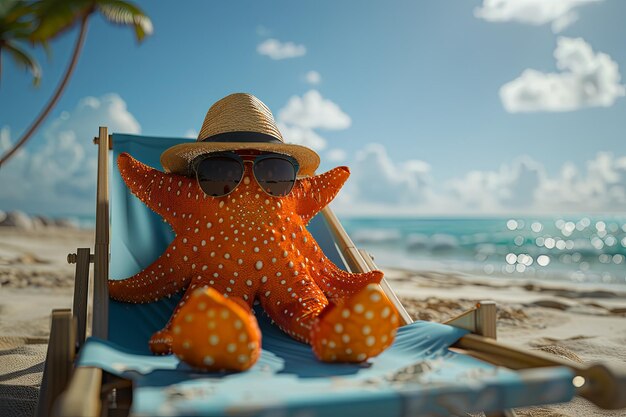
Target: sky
point(438, 107)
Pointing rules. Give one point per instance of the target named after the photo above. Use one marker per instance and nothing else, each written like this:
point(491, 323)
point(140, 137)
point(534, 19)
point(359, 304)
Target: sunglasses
point(218, 174)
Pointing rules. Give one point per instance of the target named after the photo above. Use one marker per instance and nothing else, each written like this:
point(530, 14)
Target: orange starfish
point(248, 245)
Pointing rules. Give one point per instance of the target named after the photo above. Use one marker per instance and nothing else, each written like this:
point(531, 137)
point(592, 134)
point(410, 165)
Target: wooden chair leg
point(82, 397)
point(59, 358)
point(82, 258)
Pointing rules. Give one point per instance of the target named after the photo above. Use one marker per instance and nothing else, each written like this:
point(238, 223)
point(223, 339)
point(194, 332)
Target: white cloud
point(525, 187)
point(313, 111)
point(276, 49)
point(563, 22)
point(587, 79)
point(378, 184)
point(313, 77)
point(336, 155)
point(476, 191)
point(600, 187)
point(191, 133)
point(300, 117)
point(560, 13)
point(302, 136)
point(57, 174)
point(5, 138)
point(511, 188)
point(382, 186)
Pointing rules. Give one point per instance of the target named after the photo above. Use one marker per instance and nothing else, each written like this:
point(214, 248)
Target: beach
point(582, 323)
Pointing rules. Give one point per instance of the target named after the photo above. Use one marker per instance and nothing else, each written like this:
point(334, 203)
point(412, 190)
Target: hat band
point(243, 136)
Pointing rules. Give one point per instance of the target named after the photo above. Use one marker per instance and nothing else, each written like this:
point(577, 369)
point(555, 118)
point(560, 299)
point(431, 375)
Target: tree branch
point(55, 97)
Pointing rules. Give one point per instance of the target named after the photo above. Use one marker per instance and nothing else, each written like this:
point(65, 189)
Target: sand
point(583, 324)
point(34, 279)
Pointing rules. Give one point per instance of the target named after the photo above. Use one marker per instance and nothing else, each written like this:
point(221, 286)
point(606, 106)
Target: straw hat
point(238, 121)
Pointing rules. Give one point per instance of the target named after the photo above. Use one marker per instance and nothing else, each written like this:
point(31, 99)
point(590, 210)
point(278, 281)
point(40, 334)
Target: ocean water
point(580, 249)
point(570, 249)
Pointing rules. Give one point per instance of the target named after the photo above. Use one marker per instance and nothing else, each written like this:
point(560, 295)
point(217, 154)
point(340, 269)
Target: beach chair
point(431, 369)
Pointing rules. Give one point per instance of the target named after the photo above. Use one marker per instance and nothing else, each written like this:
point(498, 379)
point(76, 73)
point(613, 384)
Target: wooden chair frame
point(88, 391)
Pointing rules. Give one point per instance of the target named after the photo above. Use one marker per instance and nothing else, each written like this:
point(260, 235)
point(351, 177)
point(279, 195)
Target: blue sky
point(411, 95)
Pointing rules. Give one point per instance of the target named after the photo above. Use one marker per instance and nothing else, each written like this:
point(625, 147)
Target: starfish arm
point(357, 328)
point(337, 283)
point(293, 303)
point(164, 277)
point(154, 188)
point(314, 193)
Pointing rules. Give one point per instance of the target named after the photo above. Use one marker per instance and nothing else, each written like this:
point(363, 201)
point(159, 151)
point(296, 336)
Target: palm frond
point(12, 11)
point(24, 60)
point(16, 20)
point(127, 14)
point(57, 16)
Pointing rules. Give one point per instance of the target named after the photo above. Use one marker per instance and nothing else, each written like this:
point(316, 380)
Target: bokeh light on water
point(584, 249)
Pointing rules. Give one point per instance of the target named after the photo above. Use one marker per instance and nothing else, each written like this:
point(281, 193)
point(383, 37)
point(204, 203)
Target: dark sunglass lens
point(275, 175)
point(218, 175)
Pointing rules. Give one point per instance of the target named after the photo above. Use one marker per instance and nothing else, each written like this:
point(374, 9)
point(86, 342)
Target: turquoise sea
point(569, 249)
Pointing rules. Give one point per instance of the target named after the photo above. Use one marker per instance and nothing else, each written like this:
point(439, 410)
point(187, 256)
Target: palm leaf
point(13, 10)
point(15, 20)
point(24, 60)
point(127, 14)
point(57, 16)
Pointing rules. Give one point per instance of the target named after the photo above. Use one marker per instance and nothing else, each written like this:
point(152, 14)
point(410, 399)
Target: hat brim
point(177, 159)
